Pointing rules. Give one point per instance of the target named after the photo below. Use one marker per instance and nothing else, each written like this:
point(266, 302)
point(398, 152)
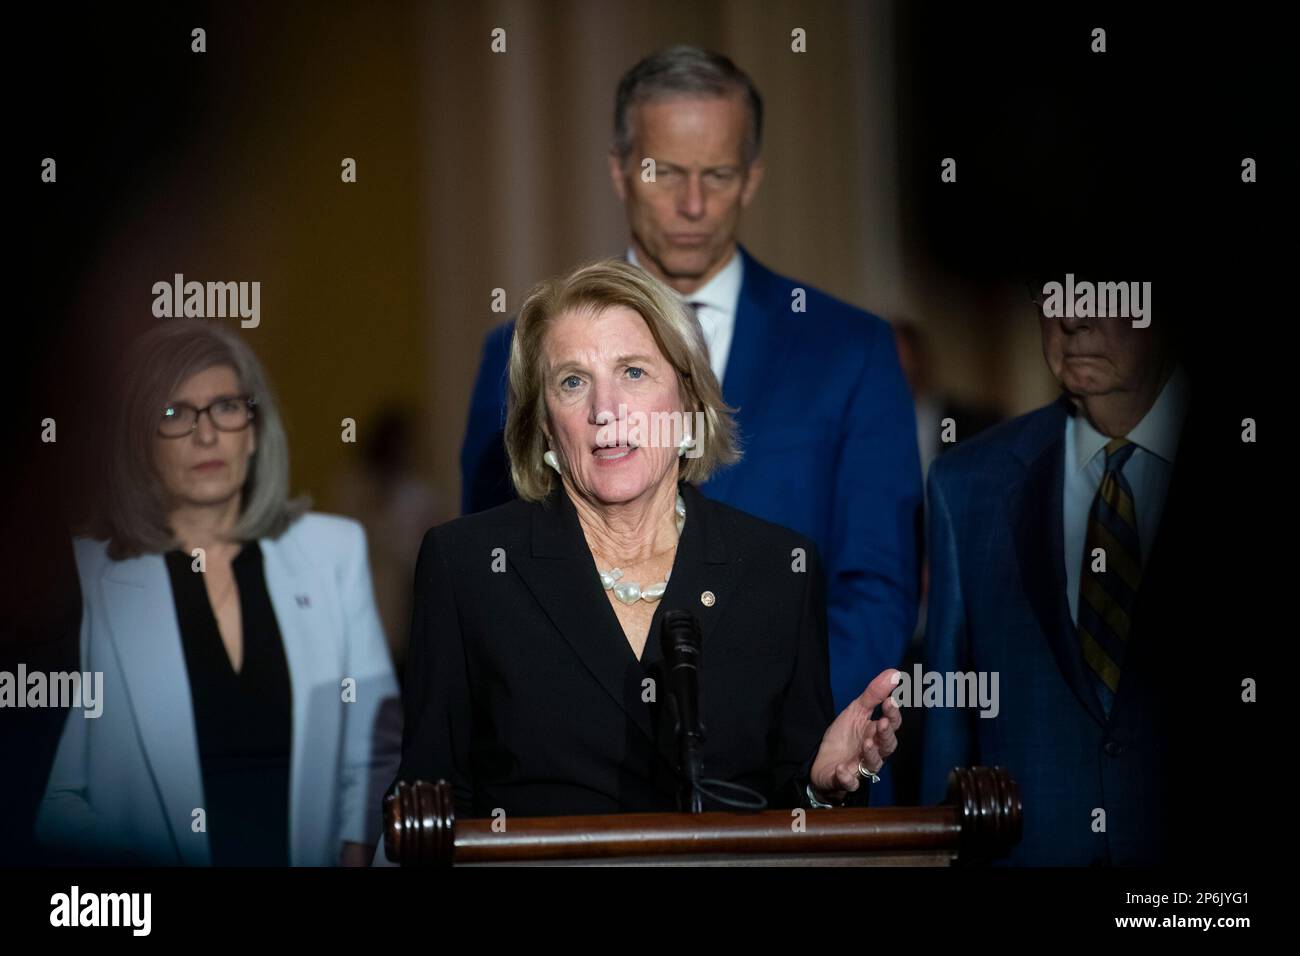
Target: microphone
point(680, 641)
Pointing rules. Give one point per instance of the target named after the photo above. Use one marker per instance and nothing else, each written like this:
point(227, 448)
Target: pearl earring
point(684, 444)
point(551, 459)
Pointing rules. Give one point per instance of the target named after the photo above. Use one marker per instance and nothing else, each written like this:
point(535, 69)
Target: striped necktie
point(1106, 598)
point(707, 330)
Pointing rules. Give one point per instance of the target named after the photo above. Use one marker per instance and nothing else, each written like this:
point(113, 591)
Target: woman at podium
point(537, 681)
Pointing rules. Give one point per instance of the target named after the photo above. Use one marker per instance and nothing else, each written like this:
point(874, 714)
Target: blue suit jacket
point(998, 604)
point(829, 438)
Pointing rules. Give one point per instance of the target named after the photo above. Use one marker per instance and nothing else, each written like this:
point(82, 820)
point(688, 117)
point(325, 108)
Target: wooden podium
point(978, 821)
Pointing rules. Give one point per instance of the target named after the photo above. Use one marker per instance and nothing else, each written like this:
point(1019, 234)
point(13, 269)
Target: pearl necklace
point(629, 592)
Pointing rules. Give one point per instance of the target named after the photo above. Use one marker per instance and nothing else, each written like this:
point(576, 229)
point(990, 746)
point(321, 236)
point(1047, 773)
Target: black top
point(523, 692)
point(244, 720)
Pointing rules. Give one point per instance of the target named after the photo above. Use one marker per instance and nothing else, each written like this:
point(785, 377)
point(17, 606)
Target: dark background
point(1127, 162)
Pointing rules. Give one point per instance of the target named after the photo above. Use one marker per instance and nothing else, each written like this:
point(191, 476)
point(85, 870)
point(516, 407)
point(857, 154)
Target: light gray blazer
point(129, 780)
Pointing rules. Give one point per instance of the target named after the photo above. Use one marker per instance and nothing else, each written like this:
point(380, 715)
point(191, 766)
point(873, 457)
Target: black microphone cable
point(681, 642)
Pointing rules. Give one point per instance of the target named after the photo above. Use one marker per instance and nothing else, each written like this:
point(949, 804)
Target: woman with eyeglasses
point(250, 715)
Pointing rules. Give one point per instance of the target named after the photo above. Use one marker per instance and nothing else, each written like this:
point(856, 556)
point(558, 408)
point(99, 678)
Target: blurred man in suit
point(827, 427)
point(942, 420)
point(1062, 548)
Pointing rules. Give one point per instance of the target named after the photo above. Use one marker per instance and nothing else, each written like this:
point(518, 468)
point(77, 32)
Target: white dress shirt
point(1148, 472)
point(715, 305)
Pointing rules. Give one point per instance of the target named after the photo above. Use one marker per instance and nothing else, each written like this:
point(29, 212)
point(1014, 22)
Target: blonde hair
point(598, 286)
point(134, 514)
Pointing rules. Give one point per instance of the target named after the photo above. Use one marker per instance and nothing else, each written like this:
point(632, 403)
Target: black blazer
point(523, 692)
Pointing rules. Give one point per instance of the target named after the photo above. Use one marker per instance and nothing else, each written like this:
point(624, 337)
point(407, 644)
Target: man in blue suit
point(827, 425)
point(1071, 556)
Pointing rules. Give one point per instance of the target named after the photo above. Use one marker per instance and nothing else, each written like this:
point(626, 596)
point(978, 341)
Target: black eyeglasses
point(230, 414)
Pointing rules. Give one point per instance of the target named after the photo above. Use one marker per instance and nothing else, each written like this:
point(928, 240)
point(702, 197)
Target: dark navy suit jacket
point(829, 437)
point(998, 603)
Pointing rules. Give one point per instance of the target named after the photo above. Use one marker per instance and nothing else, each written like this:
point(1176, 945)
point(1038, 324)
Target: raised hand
point(855, 738)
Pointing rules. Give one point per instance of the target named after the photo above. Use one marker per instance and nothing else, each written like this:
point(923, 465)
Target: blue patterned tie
point(1106, 598)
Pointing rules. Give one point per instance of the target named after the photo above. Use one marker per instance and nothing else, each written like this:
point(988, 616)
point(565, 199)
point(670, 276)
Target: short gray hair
point(133, 517)
point(686, 71)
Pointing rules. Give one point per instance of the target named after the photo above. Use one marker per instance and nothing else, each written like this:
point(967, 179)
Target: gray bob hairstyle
point(596, 287)
point(134, 516)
